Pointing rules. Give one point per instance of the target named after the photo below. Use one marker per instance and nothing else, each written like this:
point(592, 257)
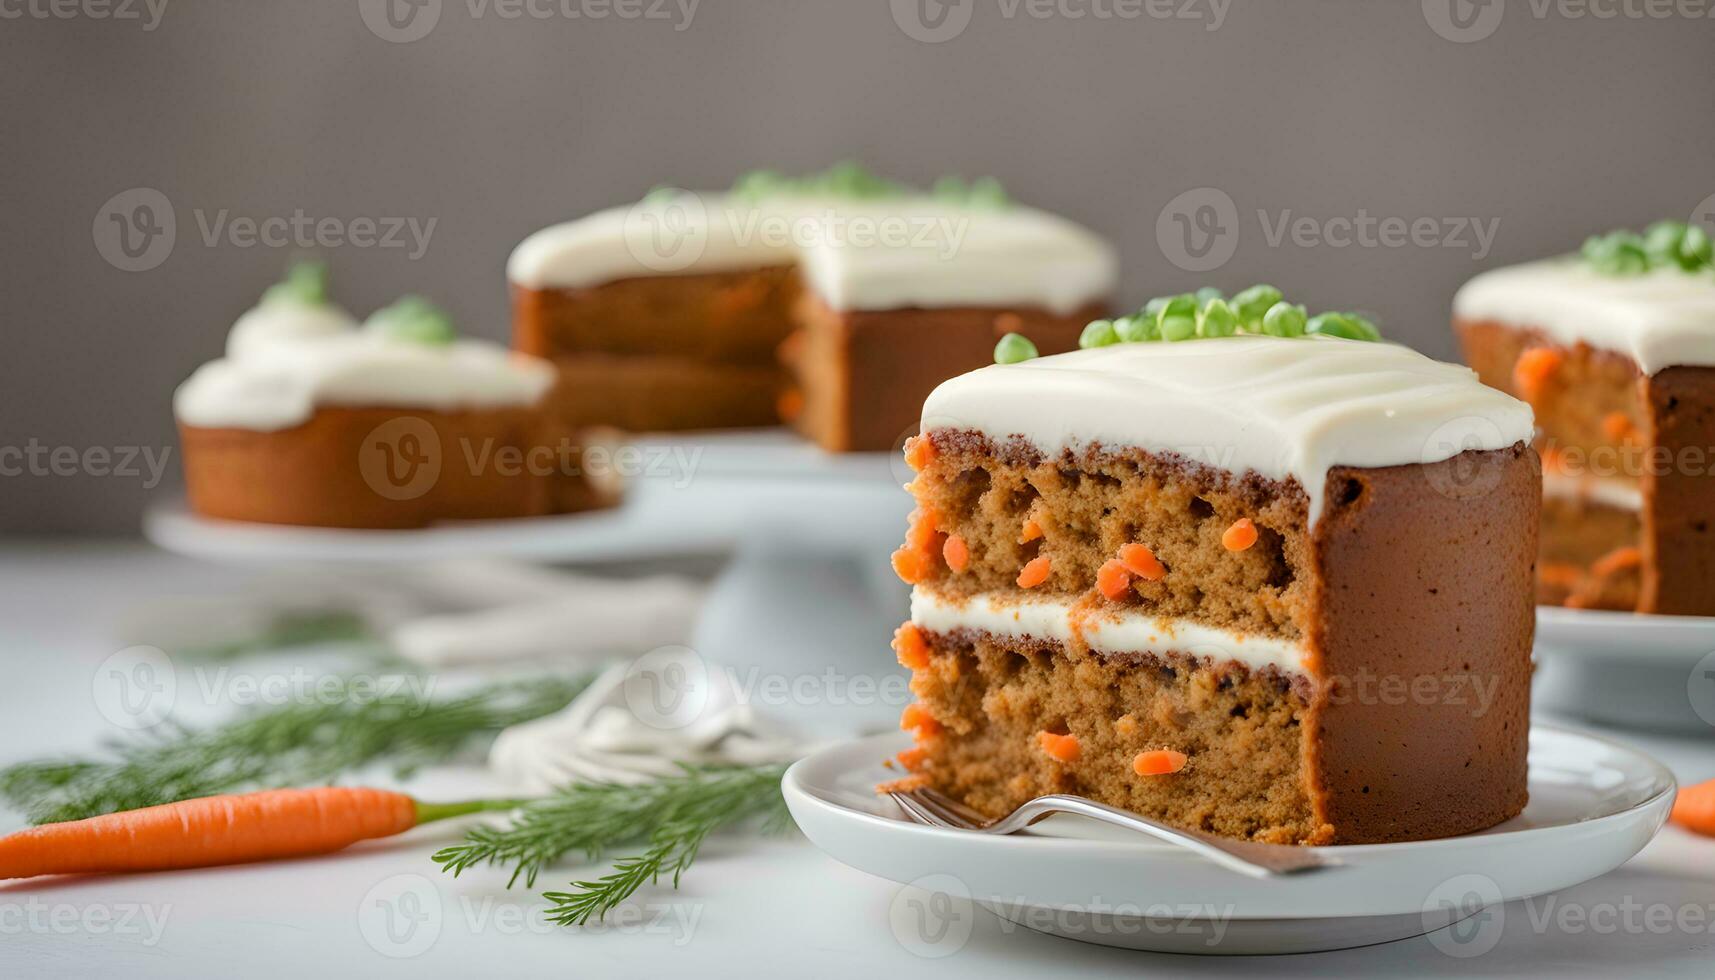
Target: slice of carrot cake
point(1232, 567)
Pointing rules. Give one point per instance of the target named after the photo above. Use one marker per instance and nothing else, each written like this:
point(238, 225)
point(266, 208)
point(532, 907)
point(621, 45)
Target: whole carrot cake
point(1232, 567)
point(834, 302)
point(314, 419)
point(1615, 350)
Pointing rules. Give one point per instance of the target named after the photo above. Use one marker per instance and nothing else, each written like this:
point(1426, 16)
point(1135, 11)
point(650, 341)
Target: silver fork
point(1258, 860)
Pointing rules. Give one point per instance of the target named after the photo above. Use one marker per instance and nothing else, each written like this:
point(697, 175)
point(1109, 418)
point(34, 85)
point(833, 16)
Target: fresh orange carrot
point(1533, 370)
point(233, 829)
point(956, 553)
point(1030, 532)
point(919, 452)
point(1062, 748)
point(1113, 579)
point(913, 650)
point(1694, 808)
point(1160, 762)
point(1240, 536)
point(1142, 562)
point(1034, 573)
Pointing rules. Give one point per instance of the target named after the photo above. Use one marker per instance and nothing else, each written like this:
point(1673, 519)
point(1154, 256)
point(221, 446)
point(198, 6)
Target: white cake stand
point(800, 618)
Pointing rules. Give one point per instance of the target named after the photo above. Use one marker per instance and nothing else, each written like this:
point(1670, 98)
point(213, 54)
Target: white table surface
point(749, 908)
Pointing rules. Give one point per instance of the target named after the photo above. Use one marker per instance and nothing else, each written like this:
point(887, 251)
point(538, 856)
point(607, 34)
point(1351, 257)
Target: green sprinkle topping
point(1100, 333)
point(1663, 245)
point(306, 284)
point(1015, 348)
point(1259, 310)
point(416, 320)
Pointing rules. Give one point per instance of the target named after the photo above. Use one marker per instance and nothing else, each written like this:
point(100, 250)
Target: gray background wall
point(1552, 124)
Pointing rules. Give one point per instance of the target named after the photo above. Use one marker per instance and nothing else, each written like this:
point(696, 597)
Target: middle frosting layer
point(1283, 408)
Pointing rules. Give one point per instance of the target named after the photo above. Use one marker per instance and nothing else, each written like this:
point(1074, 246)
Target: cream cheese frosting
point(1661, 318)
point(286, 359)
point(854, 254)
point(1282, 408)
point(1131, 631)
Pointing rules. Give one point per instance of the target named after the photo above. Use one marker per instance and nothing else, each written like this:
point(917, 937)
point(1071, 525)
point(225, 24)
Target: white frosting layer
point(1284, 408)
point(1662, 318)
point(853, 254)
point(285, 360)
point(1126, 632)
point(1618, 494)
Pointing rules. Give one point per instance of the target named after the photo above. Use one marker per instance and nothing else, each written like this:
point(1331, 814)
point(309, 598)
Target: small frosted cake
point(1230, 567)
point(835, 302)
point(1615, 350)
point(312, 419)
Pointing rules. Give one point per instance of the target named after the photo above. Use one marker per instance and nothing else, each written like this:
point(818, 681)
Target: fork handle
point(1253, 858)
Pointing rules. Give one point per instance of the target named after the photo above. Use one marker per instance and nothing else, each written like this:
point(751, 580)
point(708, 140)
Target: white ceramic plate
point(1593, 804)
point(1636, 671)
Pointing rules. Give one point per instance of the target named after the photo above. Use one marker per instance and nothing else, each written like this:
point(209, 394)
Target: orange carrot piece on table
point(1113, 579)
point(1694, 808)
point(956, 553)
point(1159, 762)
point(1533, 370)
point(1142, 562)
point(1062, 748)
point(1240, 536)
point(212, 830)
point(913, 650)
point(1034, 573)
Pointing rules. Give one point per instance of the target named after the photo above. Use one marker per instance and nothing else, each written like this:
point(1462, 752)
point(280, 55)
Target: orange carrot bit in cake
point(922, 531)
point(1063, 748)
point(1694, 808)
point(1617, 426)
point(790, 404)
point(1240, 536)
point(1158, 762)
point(957, 553)
point(913, 650)
point(1533, 370)
point(1620, 559)
point(1031, 531)
point(1142, 562)
point(1114, 579)
point(911, 565)
point(919, 452)
point(1035, 572)
point(913, 758)
point(915, 716)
